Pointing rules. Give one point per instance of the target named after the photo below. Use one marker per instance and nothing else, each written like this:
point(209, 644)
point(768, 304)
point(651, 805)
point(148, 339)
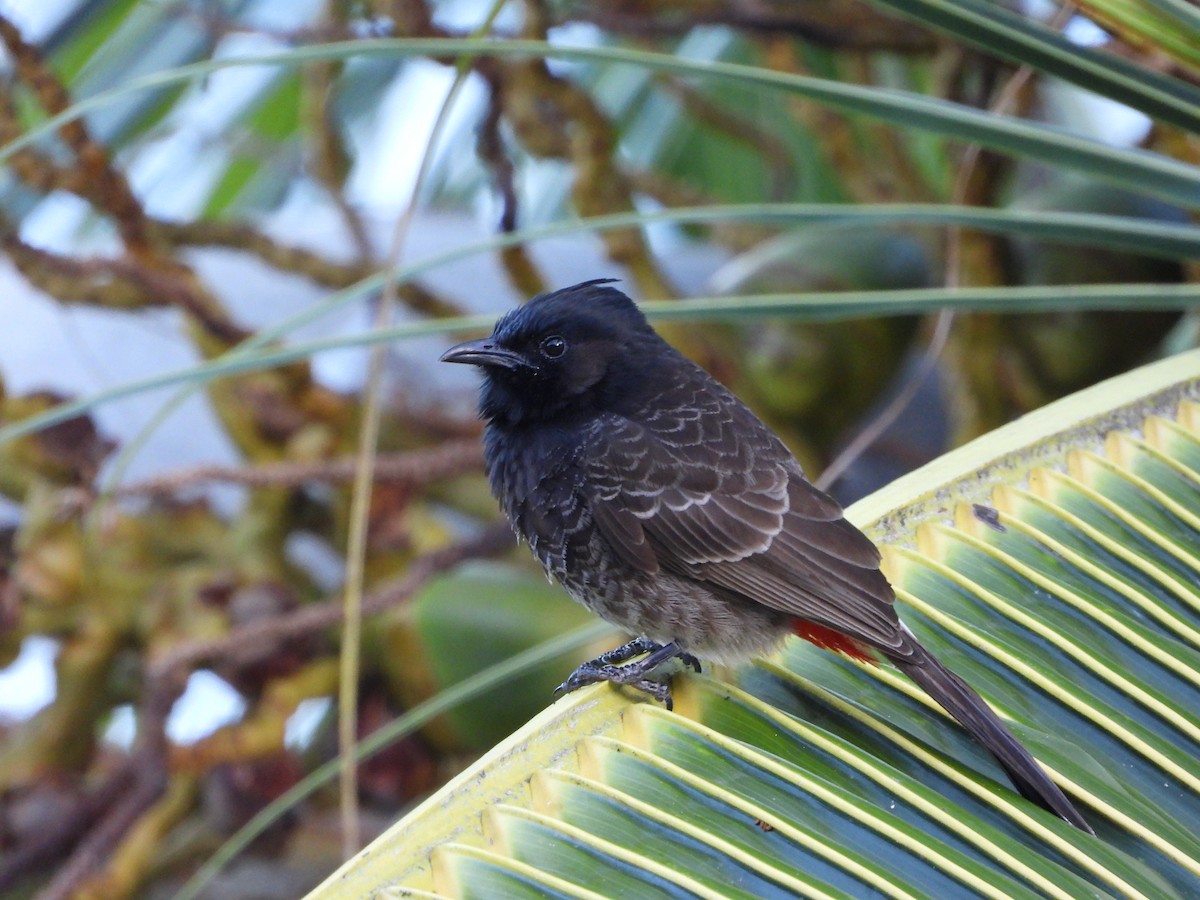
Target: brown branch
point(489, 147)
point(35, 169)
point(409, 17)
point(96, 848)
point(47, 846)
point(148, 764)
point(328, 159)
point(115, 284)
point(553, 117)
point(412, 467)
point(178, 287)
point(841, 25)
point(95, 281)
point(96, 179)
point(248, 239)
point(262, 635)
point(110, 186)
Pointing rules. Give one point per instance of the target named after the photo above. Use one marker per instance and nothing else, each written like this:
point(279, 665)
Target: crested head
point(563, 353)
point(589, 310)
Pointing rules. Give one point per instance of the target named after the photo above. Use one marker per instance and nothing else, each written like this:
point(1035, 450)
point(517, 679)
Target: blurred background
point(195, 261)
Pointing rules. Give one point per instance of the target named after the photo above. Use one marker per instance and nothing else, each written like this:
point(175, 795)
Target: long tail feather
point(960, 700)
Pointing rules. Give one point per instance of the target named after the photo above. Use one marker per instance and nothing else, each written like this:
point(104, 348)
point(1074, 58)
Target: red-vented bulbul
point(663, 504)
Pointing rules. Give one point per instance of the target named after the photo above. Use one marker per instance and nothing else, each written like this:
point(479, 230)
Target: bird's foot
point(606, 667)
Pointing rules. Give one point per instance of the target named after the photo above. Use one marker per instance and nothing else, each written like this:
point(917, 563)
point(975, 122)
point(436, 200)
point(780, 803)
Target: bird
point(663, 504)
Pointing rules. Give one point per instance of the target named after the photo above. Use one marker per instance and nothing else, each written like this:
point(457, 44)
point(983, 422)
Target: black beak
point(485, 353)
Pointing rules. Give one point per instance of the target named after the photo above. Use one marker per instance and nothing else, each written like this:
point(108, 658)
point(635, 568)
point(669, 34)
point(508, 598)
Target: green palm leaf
point(996, 29)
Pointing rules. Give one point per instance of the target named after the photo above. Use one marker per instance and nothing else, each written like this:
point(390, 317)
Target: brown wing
point(705, 490)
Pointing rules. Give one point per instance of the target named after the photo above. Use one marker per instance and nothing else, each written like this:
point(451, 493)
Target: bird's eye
point(553, 347)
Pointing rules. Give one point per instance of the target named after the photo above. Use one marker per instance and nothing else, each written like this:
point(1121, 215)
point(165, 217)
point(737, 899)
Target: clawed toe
point(633, 674)
point(588, 673)
point(566, 687)
point(659, 690)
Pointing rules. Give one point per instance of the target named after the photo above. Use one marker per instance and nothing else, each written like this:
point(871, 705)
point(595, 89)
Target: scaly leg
point(606, 667)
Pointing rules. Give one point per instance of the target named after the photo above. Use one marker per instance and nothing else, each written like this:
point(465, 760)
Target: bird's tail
point(960, 700)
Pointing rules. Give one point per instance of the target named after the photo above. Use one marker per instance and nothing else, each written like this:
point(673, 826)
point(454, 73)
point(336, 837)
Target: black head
point(566, 352)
